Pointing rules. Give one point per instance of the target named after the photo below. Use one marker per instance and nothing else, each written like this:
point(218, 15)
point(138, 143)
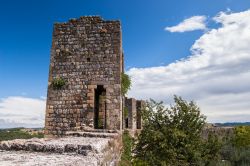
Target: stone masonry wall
point(86, 52)
point(139, 106)
point(130, 103)
point(134, 117)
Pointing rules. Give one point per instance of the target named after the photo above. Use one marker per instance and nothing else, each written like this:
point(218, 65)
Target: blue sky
point(26, 34)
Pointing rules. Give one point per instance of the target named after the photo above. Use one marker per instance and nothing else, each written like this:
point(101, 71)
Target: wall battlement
point(133, 119)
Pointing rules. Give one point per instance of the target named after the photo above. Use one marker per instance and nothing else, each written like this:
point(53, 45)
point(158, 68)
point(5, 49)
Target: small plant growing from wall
point(125, 112)
point(126, 84)
point(58, 83)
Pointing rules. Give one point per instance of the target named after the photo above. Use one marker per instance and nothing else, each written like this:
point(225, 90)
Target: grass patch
point(126, 158)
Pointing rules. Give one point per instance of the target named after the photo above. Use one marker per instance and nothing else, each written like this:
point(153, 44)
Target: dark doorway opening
point(126, 123)
point(100, 108)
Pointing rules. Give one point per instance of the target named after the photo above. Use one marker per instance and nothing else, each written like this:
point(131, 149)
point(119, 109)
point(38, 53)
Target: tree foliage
point(235, 156)
point(242, 136)
point(126, 83)
point(172, 136)
point(236, 151)
point(211, 150)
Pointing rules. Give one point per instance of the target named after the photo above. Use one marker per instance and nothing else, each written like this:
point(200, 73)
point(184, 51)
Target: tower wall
point(86, 52)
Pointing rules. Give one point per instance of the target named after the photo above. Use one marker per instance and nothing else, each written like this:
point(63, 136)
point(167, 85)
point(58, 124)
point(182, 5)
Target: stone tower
point(84, 87)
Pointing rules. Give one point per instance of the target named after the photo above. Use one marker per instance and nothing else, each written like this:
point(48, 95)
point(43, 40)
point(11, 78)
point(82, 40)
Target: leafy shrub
point(172, 136)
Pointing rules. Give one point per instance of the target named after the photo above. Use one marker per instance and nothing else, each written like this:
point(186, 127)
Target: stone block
point(92, 86)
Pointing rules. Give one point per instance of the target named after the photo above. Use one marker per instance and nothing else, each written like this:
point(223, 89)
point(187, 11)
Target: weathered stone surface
point(133, 121)
point(130, 103)
point(71, 148)
point(86, 53)
point(22, 158)
point(92, 134)
point(67, 151)
point(140, 104)
point(77, 145)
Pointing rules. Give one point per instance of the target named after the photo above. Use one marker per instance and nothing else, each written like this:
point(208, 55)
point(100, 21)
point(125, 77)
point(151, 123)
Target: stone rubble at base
point(98, 150)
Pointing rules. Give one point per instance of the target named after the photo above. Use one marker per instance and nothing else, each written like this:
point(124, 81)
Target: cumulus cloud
point(190, 24)
point(216, 74)
point(21, 112)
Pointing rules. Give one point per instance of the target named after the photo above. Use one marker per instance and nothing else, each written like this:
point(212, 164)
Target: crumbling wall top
point(96, 19)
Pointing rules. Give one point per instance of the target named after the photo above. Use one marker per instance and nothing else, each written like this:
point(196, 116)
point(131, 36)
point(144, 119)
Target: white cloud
point(190, 24)
point(216, 75)
point(21, 112)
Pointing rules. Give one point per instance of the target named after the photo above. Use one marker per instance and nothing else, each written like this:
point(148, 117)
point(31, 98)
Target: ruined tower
point(84, 87)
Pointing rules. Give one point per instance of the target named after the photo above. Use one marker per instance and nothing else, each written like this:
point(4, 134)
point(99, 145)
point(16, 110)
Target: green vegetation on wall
point(125, 109)
point(126, 83)
point(58, 83)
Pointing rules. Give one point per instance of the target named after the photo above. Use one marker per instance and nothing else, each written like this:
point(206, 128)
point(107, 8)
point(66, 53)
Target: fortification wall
point(133, 119)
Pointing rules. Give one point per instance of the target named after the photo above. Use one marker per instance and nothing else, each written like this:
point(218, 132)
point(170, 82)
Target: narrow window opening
point(126, 123)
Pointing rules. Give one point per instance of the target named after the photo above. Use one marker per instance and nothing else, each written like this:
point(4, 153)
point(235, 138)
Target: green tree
point(172, 136)
point(242, 136)
point(211, 150)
